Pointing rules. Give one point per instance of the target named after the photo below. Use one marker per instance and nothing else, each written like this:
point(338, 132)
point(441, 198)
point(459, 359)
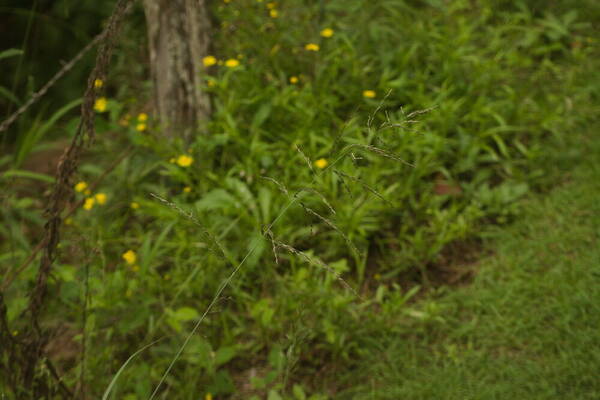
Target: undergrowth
point(351, 141)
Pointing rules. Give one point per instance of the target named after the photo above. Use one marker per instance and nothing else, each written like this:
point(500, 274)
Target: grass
point(310, 169)
point(528, 325)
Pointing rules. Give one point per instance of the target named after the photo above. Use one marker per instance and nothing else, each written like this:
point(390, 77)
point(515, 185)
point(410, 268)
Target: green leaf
point(9, 95)
point(216, 199)
point(273, 395)
point(261, 115)
point(225, 354)
point(20, 173)
point(120, 371)
point(10, 53)
point(186, 314)
point(298, 392)
point(26, 141)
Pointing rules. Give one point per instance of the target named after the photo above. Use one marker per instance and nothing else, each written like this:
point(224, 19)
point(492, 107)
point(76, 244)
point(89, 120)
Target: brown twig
point(40, 93)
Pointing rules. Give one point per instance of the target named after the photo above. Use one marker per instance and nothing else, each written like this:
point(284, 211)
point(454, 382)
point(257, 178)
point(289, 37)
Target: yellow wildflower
point(141, 127)
point(209, 61)
point(369, 94)
point(142, 117)
point(210, 82)
point(273, 13)
point(98, 83)
point(184, 160)
point(327, 32)
point(81, 186)
point(293, 80)
point(232, 63)
point(89, 203)
point(226, 1)
point(100, 198)
point(321, 163)
point(271, 5)
point(208, 396)
point(130, 257)
point(134, 205)
point(100, 104)
point(312, 47)
point(187, 189)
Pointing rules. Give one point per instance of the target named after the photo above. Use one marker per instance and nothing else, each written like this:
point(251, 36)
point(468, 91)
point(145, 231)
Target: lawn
point(527, 326)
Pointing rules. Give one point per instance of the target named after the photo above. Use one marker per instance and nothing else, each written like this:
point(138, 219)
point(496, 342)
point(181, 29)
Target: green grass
point(528, 326)
point(501, 80)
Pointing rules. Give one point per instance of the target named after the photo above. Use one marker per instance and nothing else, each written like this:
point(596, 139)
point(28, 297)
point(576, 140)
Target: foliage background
point(499, 80)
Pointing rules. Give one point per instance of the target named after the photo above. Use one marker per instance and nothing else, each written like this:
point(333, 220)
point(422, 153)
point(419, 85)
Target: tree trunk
point(178, 36)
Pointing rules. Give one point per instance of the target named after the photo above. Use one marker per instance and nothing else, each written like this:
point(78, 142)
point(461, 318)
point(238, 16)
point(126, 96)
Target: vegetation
point(357, 156)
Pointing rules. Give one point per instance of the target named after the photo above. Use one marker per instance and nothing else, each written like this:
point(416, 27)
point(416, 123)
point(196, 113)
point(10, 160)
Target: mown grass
point(528, 325)
point(349, 194)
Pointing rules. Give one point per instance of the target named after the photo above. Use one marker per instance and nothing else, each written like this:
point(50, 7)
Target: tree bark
point(178, 37)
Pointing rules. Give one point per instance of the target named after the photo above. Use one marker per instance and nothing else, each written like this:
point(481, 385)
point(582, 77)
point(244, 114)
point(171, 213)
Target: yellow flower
point(271, 5)
point(134, 205)
point(209, 61)
point(98, 83)
point(89, 203)
point(81, 186)
point(273, 13)
point(369, 94)
point(100, 104)
point(226, 1)
point(210, 82)
point(312, 47)
point(141, 127)
point(184, 161)
point(293, 79)
point(232, 63)
point(100, 198)
point(208, 396)
point(327, 32)
point(130, 257)
point(321, 163)
point(142, 117)
point(187, 189)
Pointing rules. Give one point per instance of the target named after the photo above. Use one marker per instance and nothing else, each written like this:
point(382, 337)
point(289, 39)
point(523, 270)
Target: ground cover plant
point(351, 145)
point(527, 326)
